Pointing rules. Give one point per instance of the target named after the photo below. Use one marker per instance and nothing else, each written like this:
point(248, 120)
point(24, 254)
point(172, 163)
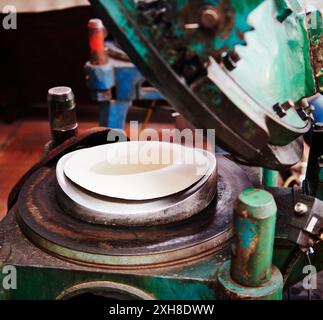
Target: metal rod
point(62, 116)
point(98, 49)
point(270, 178)
point(254, 223)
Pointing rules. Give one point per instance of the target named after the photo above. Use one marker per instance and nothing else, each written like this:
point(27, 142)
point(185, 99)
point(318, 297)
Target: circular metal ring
point(97, 209)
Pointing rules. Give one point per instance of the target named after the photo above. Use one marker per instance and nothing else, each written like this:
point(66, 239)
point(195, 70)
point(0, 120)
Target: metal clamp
point(307, 223)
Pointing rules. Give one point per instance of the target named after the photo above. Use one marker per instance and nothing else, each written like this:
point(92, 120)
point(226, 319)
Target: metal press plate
point(44, 221)
point(238, 104)
point(94, 208)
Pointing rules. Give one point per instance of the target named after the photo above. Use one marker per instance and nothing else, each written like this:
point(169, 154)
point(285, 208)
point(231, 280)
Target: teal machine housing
point(216, 62)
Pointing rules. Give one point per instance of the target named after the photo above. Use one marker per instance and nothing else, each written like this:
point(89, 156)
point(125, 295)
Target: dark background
point(47, 49)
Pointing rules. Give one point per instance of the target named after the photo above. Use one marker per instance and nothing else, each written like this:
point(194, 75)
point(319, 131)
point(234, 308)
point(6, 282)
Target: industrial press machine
point(251, 70)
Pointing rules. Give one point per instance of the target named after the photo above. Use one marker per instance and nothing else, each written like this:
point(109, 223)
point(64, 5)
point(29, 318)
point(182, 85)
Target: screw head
point(60, 99)
point(310, 109)
point(300, 208)
point(210, 18)
point(288, 105)
point(303, 115)
point(60, 94)
point(305, 103)
point(230, 60)
point(281, 112)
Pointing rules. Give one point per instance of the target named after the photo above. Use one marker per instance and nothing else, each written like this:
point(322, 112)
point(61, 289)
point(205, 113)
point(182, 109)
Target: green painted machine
point(247, 69)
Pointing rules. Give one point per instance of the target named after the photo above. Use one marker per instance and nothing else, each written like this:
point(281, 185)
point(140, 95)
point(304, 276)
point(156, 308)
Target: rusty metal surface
point(271, 290)
point(315, 21)
point(39, 212)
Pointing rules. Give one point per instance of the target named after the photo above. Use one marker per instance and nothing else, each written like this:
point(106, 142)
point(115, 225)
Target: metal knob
point(210, 18)
point(62, 116)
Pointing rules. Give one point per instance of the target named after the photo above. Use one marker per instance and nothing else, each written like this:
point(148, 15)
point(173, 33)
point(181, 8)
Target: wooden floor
point(21, 146)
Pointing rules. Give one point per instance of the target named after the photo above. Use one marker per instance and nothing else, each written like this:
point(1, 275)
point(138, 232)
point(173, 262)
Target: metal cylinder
point(254, 223)
point(97, 35)
point(270, 178)
point(62, 116)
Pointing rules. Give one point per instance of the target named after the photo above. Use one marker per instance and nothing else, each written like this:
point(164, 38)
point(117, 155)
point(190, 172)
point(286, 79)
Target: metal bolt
point(305, 103)
point(62, 116)
point(210, 18)
point(288, 105)
point(281, 112)
point(310, 110)
point(300, 208)
point(301, 112)
point(234, 56)
point(304, 108)
point(61, 98)
point(230, 60)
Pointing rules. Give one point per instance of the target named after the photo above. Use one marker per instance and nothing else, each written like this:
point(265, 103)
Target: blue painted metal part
point(317, 103)
point(127, 81)
point(117, 114)
point(99, 77)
